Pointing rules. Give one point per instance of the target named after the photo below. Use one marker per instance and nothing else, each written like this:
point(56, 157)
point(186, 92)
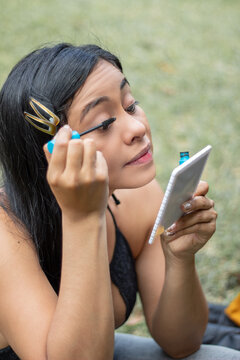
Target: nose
point(133, 129)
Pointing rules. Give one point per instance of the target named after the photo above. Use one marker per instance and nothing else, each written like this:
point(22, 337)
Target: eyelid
point(106, 124)
point(133, 104)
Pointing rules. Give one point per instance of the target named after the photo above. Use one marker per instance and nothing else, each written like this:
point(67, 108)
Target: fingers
point(47, 153)
point(59, 155)
point(194, 228)
point(74, 155)
point(89, 158)
point(198, 210)
point(199, 213)
point(202, 188)
point(101, 167)
point(81, 160)
point(192, 220)
point(197, 203)
point(76, 160)
point(205, 229)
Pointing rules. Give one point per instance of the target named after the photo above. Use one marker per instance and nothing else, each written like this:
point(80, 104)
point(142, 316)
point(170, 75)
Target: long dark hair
point(51, 75)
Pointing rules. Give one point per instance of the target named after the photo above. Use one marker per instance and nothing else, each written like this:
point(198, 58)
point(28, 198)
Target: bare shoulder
point(143, 201)
point(13, 237)
point(26, 294)
point(137, 212)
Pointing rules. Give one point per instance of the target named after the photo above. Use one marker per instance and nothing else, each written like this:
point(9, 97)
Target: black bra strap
point(117, 202)
point(113, 217)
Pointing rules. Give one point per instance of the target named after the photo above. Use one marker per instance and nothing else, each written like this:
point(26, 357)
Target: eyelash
point(130, 109)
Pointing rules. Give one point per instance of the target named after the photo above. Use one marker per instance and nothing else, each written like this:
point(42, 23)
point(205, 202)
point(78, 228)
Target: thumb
point(47, 153)
point(202, 189)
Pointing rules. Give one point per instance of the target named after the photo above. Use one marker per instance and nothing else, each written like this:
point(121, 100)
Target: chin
point(136, 180)
point(137, 183)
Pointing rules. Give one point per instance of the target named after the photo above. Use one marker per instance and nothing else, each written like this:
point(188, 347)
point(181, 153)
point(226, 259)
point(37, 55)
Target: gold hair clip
point(46, 125)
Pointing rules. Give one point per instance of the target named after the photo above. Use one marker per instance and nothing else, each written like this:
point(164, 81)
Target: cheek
point(143, 119)
point(114, 167)
point(112, 158)
point(147, 126)
point(116, 171)
point(148, 132)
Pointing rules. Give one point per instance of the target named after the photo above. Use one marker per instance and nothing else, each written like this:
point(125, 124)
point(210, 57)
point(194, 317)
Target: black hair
point(52, 75)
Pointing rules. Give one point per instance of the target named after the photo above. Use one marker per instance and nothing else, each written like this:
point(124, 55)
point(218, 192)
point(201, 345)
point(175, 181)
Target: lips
point(143, 154)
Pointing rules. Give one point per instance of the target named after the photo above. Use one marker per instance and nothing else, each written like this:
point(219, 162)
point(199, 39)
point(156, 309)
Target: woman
point(62, 227)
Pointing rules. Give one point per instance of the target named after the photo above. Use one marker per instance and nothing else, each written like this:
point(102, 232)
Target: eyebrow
point(100, 100)
point(123, 83)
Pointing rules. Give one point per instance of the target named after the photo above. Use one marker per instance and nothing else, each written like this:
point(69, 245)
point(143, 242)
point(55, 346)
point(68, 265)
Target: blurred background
point(182, 59)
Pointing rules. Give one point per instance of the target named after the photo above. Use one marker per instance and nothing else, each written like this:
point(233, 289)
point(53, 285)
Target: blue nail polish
point(50, 144)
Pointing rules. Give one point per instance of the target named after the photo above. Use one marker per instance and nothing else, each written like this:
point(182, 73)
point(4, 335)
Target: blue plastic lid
point(50, 144)
point(184, 155)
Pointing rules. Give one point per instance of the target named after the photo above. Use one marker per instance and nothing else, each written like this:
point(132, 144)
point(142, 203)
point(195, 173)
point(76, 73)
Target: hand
point(77, 175)
point(191, 232)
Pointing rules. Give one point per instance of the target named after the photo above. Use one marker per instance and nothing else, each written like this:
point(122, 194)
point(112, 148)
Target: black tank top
point(122, 270)
point(123, 275)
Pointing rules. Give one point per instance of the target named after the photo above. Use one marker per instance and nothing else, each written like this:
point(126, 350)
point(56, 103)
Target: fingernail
point(187, 206)
point(62, 130)
point(171, 228)
point(169, 233)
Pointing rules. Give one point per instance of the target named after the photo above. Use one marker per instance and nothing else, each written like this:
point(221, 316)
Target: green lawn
point(182, 59)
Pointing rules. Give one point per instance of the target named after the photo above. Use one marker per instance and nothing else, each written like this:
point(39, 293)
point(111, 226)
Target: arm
point(83, 324)
point(79, 323)
point(173, 301)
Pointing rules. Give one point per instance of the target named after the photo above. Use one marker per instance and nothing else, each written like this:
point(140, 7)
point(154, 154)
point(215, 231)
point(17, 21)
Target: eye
point(105, 124)
point(105, 127)
point(132, 108)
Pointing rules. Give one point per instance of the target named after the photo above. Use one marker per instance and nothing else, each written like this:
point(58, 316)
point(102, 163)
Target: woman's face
point(126, 144)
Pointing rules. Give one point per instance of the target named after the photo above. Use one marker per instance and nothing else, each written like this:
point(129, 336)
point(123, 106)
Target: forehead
point(104, 79)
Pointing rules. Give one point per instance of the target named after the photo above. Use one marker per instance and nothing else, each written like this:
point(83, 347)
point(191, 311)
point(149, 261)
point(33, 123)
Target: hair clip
point(39, 121)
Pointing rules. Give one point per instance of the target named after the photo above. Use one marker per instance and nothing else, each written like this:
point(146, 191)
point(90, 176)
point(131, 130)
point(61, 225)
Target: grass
point(182, 59)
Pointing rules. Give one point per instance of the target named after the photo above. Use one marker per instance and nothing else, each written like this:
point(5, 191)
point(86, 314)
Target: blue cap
point(184, 156)
point(50, 144)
